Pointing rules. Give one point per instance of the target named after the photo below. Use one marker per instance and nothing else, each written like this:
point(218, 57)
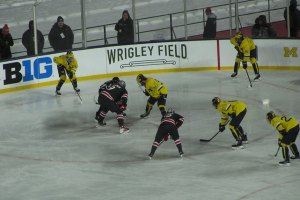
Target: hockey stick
point(208, 140)
point(277, 152)
point(77, 92)
point(248, 77)
point(204, 140)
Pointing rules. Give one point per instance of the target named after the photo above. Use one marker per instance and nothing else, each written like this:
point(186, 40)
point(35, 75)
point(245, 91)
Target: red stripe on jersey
point(168, 120)
point(125, 95)
point(120, 117)
point(178, 141)
point(107, 95)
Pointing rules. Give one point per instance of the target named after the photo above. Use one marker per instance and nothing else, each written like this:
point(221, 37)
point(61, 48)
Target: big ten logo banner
point(148, 54)
point(27, 70)
point(290, 52)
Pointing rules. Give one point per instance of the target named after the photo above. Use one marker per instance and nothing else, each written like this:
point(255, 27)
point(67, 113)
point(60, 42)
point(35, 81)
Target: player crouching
point(237, 111)
point(170, 123)
point(288, 128)
point(113, 97)
point(156, 91)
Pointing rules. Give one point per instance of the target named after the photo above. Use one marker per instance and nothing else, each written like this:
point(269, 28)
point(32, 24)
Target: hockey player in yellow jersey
point(288, 128)
point(236, 110)
point(156, 91)
point(66, 64)
point(246, 53)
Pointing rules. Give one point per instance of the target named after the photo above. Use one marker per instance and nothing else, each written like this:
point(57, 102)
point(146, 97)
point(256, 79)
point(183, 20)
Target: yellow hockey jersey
point(229, 109)
point(284, 124)
point(245, 47)
point(155, 88)
point(62, 60)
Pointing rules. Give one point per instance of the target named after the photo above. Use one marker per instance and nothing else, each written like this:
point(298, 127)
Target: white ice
point(50, 148)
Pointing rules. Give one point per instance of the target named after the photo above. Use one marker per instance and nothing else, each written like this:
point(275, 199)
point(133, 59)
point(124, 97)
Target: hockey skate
point(234, 75)
point(238, 145)
point(76, 89)
point(124, 130)
point(101, 123)
point(295, 157)
point(245, 139)
point(257, 77)
point(57, 93)
point(181, 154)
point(284, 163)
point(145, 115)
point(150, 156)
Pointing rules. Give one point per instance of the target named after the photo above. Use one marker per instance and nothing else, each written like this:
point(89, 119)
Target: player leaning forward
point(156, 91)
point(169, 125)
point(246, 53)
point(288, 128)
point(113, 97)
point(236, 110)
point(66, 64)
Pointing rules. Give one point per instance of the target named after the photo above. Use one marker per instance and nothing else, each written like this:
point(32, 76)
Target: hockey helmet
point(270, 115)
point(216, 101)
point(116, 79)
point(140, 78)
point(69, 56)
point(122, 83)
point(239, 37)
point(170, 111)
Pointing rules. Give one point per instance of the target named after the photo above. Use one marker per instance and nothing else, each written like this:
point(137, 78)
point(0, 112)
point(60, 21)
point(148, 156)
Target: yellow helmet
point(140, 78)
point(238, 35)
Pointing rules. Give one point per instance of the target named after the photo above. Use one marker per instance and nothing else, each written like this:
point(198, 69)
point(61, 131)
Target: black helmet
point(170, 111)
point(140, 78)
point(216, 101)
point(270, 115)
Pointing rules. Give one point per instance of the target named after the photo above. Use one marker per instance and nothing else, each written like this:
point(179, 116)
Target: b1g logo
point(41, 68)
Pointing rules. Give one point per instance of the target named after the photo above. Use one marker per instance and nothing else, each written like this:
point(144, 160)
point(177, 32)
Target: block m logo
point(290, 52)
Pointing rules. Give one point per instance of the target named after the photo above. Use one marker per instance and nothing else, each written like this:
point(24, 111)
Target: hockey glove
point(279, 143)
point(221, 127)
point(245, 65)
point(146, 93)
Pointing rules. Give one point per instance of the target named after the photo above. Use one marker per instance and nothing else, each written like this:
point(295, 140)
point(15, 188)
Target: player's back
point(286, 122)
point(113, 90)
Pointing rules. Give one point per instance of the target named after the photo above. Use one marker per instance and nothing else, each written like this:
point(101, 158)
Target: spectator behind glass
point(125, 29)
point(211, 25)
point(294, 18)
point(28, 40)
point(61, 36)
point(6, 41)
point(262, 29)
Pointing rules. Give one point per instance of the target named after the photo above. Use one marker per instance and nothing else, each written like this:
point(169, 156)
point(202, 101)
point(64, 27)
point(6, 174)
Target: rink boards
point(281, 54)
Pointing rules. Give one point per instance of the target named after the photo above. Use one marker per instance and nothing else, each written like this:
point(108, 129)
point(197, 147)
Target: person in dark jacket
point(61, 36)
point(125, 29)
point(211, 25)
point(294, 18)
point(28, 40)
point(6, 41)
point(262, 29)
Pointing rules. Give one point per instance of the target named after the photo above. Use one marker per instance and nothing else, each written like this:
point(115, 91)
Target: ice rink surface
point(50, 148)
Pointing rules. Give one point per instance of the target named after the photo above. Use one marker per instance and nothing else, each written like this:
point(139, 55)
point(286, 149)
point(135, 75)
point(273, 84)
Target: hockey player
point(236, 110)
point(66, 64)
point(288, 128)
point(170, 123)
point(246, 52)
point(113, 97)
point(156, 91)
